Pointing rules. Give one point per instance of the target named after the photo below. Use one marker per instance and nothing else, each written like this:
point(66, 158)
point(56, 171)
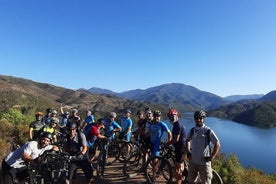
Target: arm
point(31, 133)
point(169, 136)
point(215, 150)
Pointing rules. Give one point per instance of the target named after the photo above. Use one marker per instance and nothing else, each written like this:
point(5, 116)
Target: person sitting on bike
point(76, 146)
point(200, 156)
point(178, 140)
point(13, 168)
point(93, 136)
point(35, 126)
point(111, 126)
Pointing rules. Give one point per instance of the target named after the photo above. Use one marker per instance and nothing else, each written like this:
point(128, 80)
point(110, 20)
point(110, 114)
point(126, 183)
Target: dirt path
point(113, 174)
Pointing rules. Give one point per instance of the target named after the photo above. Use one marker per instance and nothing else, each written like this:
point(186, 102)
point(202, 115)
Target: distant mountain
point(271, 96)
point(180, 96)
point(101, 91)
point(33, 96)
point(235, 98)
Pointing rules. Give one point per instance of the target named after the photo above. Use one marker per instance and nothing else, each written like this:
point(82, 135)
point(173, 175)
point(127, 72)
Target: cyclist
point(63, 122)
point(74, 118)
point(178, 140)
point(157, 128)
point(88, 121)
point(76, 146)
point(51, 128)
point(92, 137)
point(200, 156)
point(35, 126)
point(46, 120)
point(149, 120)
point(111, 126)
point(13, 168)
point(140, 132)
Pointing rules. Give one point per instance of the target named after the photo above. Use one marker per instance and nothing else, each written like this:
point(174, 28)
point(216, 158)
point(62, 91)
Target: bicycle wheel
point(158, 170)
point(113, 153)
point(133, 165)
point(125, 151)
point(216, 178)
point(101, 164)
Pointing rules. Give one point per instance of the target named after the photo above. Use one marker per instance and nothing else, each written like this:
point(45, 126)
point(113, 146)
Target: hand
point(80, 156)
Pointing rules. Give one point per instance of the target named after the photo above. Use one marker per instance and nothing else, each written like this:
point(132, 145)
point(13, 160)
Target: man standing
point(178, 140)
point(76, 146)
point(200, 156)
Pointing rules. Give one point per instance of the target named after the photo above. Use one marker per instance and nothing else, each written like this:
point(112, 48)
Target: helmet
point(54, 111)
point(100, 121)
point(156, 113)
point(48, 110)
point(113, 114)
point(140, 112)
point(148, 110)
point(46, 135)
point(54, 120)
point(74, 110)
point(39, 113)
point(172, 112)
point(200, 113)
point(128, 111)
point(66, 112)
point(72, 125)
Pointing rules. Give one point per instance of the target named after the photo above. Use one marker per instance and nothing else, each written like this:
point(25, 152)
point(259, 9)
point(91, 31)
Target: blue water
point(255, 147)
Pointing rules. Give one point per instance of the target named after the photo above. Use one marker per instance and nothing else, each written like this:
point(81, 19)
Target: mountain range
point(19, 92)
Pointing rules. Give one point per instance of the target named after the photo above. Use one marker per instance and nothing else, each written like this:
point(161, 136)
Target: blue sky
point(225, 47)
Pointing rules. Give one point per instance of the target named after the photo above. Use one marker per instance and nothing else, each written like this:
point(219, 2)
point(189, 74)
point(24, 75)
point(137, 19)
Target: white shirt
point(14, 158)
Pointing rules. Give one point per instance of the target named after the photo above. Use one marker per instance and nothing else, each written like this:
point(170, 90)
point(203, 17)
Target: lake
point(255, 147)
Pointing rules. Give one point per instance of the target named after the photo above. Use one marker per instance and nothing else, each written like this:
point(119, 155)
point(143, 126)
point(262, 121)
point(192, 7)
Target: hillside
point(261, 112)
point(33, 96)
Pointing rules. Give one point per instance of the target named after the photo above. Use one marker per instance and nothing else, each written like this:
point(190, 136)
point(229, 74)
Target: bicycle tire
point(164, 173)
point(133, 164)
point(124, 155)
point(216, 178)
point(101, 164)
point(113, 153)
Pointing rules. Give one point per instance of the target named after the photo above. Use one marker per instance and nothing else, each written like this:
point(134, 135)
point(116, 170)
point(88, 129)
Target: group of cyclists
point(81, 138)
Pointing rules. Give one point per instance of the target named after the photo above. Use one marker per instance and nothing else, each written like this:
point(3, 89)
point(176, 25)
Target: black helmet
point(72, 125)
point(46, 135)
point(156, 113)
point(100, 121)
point(140, 112)
point(48, 110)
point(200, 113)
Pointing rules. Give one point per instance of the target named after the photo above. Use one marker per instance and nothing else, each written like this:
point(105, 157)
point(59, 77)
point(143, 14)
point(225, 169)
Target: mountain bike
point(52, 168)
point(109, 153)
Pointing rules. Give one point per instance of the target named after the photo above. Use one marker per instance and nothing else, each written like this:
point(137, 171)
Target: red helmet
point(172, 112)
